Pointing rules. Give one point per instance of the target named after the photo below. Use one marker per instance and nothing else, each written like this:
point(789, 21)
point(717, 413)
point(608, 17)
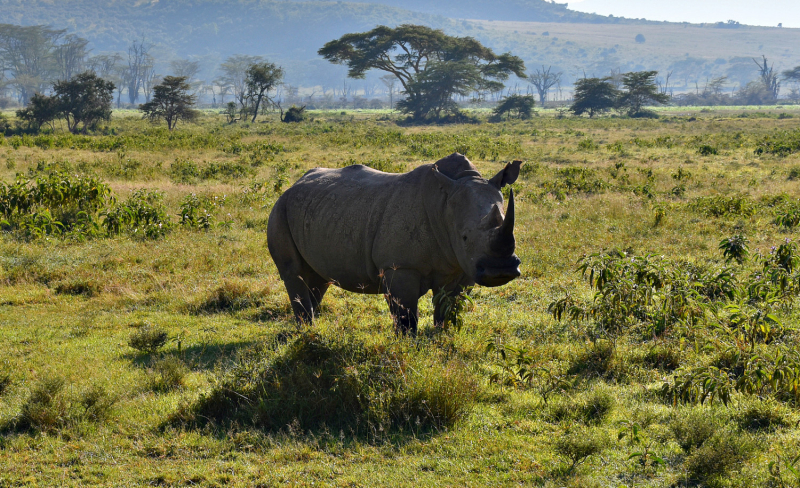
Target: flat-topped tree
point(171, 102)
point(431, 66)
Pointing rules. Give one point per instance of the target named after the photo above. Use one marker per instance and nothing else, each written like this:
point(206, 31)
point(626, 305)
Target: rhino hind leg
point(306, 290)
point(401, 289)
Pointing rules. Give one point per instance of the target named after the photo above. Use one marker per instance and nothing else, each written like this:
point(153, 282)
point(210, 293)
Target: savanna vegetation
point(146, 339)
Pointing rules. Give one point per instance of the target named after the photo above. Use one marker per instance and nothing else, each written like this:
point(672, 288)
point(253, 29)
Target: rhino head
point(480, 235)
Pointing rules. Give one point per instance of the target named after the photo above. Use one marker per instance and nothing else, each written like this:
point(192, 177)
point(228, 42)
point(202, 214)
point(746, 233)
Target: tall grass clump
point(340, 383)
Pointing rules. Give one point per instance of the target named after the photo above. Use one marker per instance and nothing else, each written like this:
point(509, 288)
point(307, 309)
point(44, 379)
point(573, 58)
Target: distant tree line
point(55, 77)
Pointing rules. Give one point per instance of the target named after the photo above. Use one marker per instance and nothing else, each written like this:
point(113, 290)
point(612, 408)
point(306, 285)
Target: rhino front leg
point(401, 289)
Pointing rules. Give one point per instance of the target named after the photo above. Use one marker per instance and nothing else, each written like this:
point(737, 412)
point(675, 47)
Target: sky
point(763, 12)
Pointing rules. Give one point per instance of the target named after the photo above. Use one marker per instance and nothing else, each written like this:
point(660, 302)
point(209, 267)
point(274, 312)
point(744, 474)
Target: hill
point(692, 52)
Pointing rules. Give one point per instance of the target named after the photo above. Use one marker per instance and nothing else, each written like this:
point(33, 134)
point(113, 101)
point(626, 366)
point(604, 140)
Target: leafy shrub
point(148, 339)
point(734, 248)
point(588, 144)
point(142, 215)
point(196, 211)
point(294, 114)
point(707, 150)
point(53, 204)
point(781, 143)
point(341, 384)
point(184, 171)
point(166, 374)
point(717, 456)
point(794, 173)
point(722, 206)
point(453, 308)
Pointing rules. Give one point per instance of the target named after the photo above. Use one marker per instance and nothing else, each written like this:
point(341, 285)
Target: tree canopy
point(593, 96)
point(640, 90)
point(430, 65)
point(260, 79)
point(171, 102)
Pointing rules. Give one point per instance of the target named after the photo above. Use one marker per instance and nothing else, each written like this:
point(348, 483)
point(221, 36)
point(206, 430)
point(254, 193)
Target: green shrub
point(96, 404)
point(761, 415)
point(692, 427)
point(148, 339)
point(142, 215)
point(724, 206)
point(166, 374)
point(578, 444)
point(197, 211)
point(47, 407)
point(707, 150)
point(339, 383)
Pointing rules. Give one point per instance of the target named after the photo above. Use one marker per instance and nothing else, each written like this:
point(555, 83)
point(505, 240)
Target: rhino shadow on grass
point(337, 384)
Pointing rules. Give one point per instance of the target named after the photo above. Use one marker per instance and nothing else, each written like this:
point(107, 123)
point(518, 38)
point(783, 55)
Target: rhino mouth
point(497, 271)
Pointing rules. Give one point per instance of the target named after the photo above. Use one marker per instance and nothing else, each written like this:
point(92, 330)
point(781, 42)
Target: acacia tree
point(639, 90)
point(430, 65)
point(261, 78)
point(521, 104)
point(84, 101)
point(27, 54)
point(171, 102)
point(593, 96)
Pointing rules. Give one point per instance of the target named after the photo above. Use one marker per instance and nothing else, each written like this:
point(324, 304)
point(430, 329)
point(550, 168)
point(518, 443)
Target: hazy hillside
point(692, 52)
point(517, 10)
point(291, 32)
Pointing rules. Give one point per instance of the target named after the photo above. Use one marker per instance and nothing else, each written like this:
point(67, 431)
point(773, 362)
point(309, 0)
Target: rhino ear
point(445, 183)
point(507, 175)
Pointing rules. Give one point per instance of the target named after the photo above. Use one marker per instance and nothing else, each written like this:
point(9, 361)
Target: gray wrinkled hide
point(397, 234)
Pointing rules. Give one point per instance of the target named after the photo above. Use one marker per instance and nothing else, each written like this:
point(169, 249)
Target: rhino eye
point(465, 238)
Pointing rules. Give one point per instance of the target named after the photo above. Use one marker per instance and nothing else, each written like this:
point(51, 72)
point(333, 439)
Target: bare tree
point(70, 57)
point(543, 80)
point(663, 85)
point(234, 76)
point(27, 54)
point(390, 81)
point(768, 76)
point(140, 63)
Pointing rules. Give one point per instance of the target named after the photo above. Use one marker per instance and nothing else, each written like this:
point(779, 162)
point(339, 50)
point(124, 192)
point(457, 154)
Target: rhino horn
point(507, 229)
point(505, 243)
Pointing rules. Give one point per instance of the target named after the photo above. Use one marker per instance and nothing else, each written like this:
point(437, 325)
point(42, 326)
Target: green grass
point(238, 395)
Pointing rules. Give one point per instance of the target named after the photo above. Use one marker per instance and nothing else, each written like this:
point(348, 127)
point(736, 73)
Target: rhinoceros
point(400, 235)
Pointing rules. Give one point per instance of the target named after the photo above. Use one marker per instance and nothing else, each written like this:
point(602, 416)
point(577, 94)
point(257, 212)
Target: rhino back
point(349, 224)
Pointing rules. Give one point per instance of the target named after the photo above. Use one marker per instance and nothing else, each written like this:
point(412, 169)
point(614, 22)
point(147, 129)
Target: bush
point(717, 456)
point(294, 114)
point(578, 444)
point(692, 427)
point(96, 404)
point(340, 384)
point(166, 374)
point(148, 339)
point(47, 407)
point(143, 215)
point(762, 415)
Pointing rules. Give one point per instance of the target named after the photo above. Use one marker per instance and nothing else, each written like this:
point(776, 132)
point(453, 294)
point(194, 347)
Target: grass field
point(669, 366)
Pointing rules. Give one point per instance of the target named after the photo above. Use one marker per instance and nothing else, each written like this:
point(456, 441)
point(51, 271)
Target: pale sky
point(763, 12)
